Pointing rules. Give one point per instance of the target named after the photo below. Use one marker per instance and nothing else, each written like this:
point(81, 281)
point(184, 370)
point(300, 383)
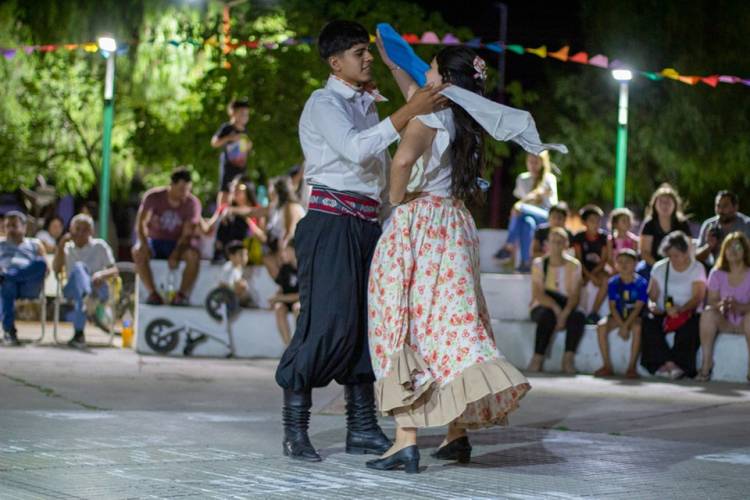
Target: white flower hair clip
point(481, 68)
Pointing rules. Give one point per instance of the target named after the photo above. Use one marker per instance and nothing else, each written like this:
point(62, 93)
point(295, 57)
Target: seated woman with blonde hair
point(728, 299)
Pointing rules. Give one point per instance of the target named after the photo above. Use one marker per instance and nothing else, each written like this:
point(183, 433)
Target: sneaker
point(593, 319)
point(154, 299)
point(662, 372)
point(180, 300)
point(503, 254)
point(10, 339)
point(676, 374)
point(524, 269)
point(78, 341)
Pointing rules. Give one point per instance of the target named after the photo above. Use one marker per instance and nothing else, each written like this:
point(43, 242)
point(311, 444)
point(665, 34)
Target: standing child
point(620, 221)
point(592, 252)
point(235, 147)
point(627, 295)
point(287, 299)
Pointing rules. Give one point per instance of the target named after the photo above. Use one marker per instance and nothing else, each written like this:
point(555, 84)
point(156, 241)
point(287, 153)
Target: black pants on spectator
point(545, 320)
point(655, 351)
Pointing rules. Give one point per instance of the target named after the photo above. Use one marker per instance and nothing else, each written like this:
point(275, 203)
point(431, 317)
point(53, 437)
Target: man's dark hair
point(180, 174)
point(233, 247)
point(561, 208)
point(338, 36)
point(728, 194)
point(589, 210)
point(243, 102)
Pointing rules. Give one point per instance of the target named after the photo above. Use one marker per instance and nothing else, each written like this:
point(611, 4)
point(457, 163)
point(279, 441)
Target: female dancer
point(431, 344)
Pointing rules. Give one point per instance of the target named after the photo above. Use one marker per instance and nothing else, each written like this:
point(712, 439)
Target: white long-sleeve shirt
point(344, 141)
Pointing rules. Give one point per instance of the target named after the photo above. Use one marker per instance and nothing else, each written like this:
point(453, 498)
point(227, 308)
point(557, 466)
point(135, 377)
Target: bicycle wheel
point(159, 337)
point(218, 297)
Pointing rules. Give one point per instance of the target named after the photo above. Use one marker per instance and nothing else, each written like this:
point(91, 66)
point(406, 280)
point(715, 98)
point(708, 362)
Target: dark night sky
point(530, 23)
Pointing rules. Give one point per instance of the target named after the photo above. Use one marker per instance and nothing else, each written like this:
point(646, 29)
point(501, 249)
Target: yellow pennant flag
point(539, 51)
point(561, 54)
point(670, 73)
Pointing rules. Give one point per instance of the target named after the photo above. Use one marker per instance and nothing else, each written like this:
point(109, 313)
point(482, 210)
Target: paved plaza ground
point(108, 423)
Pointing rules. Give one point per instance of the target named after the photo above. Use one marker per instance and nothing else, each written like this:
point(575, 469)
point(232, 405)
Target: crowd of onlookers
point(654, 283)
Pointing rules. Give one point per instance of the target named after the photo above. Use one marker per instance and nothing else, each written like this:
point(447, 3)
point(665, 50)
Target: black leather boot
point(363, 434)
point(296, 416)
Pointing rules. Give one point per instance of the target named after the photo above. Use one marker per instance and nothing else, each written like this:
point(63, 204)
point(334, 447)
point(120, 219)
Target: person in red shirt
point(165, 225)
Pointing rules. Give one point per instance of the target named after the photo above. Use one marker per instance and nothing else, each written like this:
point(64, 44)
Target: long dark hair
point(284, 190)
point(456, 66)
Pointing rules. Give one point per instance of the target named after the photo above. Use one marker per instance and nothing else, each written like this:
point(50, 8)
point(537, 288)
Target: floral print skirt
point(432, 347)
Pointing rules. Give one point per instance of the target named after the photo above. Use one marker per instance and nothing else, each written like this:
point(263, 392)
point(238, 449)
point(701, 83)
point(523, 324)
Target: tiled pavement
point(108, 424)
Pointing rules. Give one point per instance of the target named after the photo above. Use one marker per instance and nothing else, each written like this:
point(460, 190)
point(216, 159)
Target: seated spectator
point(593, 253)
point(232, 276)
point(728, 219)
point(728, 299)
point(50, 235)
point(165, 225)
point(620, 222)
point(663, 216)
point(22, 271)
point(240, 220)
point(536, 191)
point(284, 213)
point(556, 287)
point(89, 264)
point(287, 299)
point(676, 292)
point(627, 292)
point(558, 214)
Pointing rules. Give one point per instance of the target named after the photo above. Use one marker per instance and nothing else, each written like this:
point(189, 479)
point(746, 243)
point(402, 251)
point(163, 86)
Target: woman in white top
point(536, 190)
point(676, 292)
point(432, 347)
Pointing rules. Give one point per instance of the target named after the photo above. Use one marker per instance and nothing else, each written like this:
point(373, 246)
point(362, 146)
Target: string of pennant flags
point(428, 38)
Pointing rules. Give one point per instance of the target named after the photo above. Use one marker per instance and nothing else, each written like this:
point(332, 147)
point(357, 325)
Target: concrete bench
point(508, 300)
point(253, 331)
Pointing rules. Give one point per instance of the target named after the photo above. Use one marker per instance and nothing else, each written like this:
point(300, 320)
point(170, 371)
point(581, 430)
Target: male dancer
point(346, 159)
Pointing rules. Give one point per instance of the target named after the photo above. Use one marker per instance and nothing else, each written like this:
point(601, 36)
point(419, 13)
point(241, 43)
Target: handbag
point(673, 323)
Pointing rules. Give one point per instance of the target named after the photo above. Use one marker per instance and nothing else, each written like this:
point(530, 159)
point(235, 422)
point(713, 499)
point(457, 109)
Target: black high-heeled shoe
point(408, 457)
point(458, 450)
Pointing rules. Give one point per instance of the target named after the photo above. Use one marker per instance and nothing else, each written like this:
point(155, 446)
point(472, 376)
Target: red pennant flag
point(410, 38)
point(711, 81)
point(581, 57)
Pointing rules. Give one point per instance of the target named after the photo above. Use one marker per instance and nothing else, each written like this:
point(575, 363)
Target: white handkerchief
point(501, 122)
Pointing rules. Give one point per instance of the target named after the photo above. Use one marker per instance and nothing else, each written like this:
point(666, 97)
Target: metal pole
point(501, 60)
point(622, 146)
point(109, 112)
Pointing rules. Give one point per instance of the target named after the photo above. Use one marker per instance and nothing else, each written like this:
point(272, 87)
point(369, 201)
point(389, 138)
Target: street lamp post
point(623, 76)
point(108, 47)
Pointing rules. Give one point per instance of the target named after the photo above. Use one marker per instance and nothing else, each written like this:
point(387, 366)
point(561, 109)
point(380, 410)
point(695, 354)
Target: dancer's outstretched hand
point(383, 54)
point(428, 99)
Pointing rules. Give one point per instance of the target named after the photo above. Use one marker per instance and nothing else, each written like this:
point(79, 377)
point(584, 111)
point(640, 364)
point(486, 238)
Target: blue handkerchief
point(402, 54)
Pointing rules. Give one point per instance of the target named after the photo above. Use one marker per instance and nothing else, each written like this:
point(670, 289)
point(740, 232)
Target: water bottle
point(127, 330)
point(171, 284)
